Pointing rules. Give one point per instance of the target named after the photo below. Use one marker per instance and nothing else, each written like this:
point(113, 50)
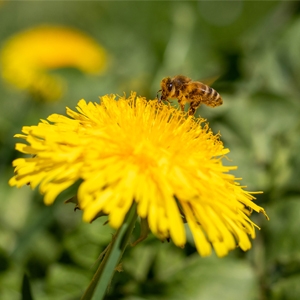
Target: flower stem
point(113, 254)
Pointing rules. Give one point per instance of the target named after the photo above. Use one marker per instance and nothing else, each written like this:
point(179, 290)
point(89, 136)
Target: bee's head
point(167, 88)
point(167, 84)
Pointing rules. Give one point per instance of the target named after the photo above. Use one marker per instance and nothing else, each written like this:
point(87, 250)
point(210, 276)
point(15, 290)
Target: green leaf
point(286, 288)
point(212, 278)
point(282, 232)
point(26, 289)
point(112, 255)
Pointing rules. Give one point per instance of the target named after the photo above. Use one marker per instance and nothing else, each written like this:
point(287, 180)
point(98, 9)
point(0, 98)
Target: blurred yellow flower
point(28, 56)
point(134, 150)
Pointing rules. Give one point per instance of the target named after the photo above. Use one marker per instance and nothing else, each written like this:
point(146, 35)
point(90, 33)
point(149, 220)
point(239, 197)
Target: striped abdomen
point(208, 95)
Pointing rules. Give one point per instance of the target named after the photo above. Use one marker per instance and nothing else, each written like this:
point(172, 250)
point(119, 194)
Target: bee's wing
point(209, 80)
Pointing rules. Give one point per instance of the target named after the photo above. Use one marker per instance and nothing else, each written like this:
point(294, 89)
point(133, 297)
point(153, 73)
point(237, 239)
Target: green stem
point(113, 254)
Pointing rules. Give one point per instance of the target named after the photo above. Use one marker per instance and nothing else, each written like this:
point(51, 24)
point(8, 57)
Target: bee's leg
point(161, 99)
point(181, 102)
point(167, 100)
point(193, 107)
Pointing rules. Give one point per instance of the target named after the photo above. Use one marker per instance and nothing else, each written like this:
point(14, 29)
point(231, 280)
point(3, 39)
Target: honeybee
point(188, 91)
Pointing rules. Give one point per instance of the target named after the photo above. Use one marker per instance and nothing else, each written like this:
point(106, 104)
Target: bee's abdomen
point(211, 97)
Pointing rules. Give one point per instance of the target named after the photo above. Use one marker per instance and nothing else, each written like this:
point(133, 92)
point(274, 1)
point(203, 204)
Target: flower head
point(133, 150)
point(27, 56)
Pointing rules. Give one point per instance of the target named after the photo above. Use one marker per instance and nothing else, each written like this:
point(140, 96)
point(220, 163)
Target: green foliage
point(254, 48)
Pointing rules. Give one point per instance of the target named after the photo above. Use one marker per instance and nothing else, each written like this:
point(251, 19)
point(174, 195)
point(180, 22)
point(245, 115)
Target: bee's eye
point(170, 85)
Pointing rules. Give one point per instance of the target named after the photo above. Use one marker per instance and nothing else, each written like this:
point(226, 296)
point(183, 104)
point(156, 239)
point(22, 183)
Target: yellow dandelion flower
point(27, 56)
point(134, 150)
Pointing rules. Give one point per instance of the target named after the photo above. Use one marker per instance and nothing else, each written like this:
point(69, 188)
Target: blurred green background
point(254, 48)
